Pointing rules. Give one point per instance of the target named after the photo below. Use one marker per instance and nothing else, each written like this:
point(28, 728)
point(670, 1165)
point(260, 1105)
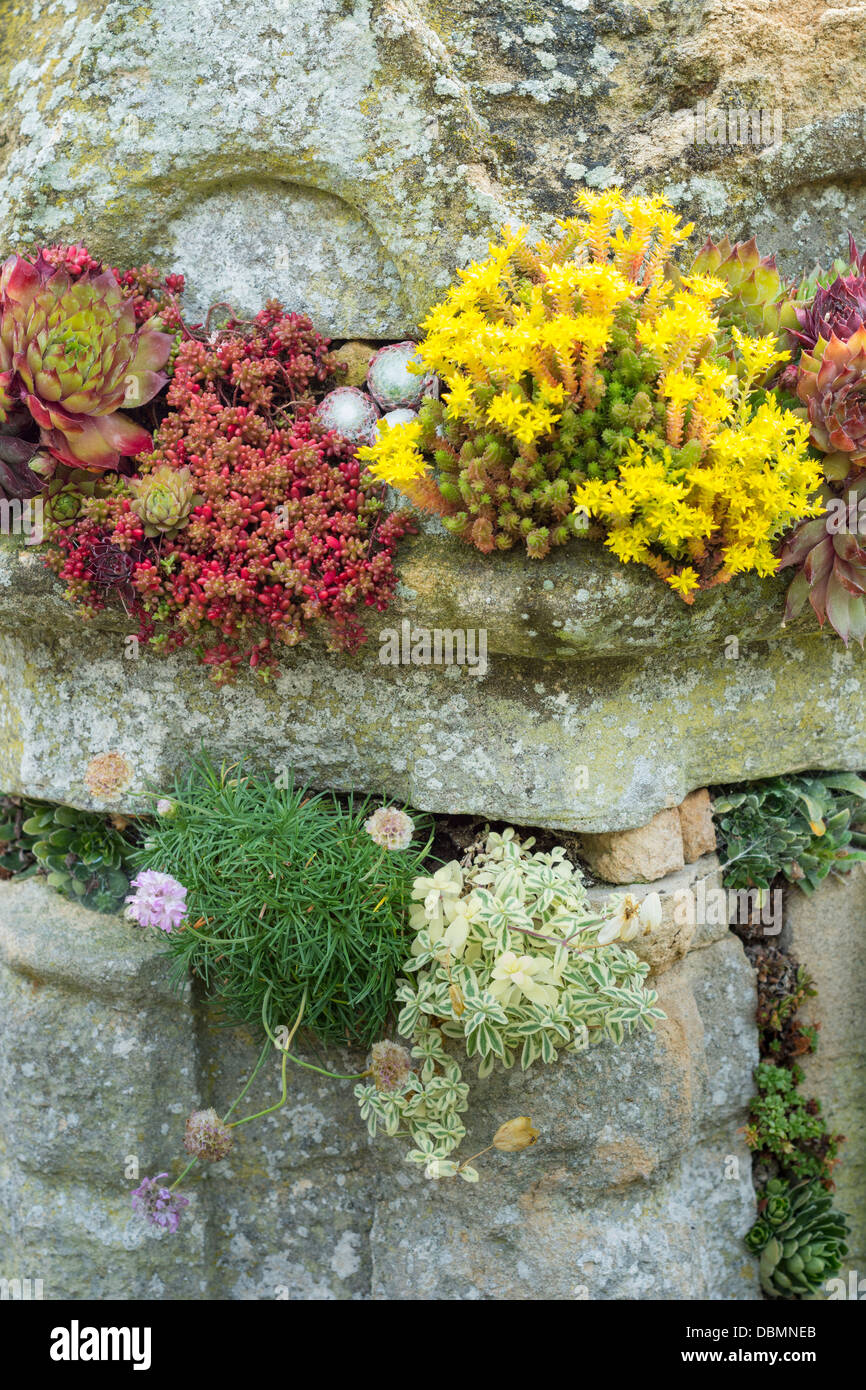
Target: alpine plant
point(757, 300)
point(71, 354)
point(589, 388)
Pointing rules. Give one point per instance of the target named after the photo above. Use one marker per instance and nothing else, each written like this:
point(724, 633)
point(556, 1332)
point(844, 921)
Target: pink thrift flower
point(159, 1204)
point(158, 901)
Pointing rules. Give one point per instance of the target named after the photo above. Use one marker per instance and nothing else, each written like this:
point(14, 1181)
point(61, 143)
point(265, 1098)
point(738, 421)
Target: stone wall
point(603, 701)
point(827, 934)
point(347, 154)
point(639, 1187)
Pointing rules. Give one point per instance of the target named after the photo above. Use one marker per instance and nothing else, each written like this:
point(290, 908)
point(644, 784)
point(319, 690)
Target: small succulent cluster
point(508, 960)
point(153, 295)
point(757, 300)
point(86, 857)
point(396, 387)
point(17, 859)
point(788, 1129)
point(163, 500)
point(769, 830)
point(804, 827)
point(820, 328)
point(799, 1238)
point(783, 986)
point(588, 380)
point(265, 522)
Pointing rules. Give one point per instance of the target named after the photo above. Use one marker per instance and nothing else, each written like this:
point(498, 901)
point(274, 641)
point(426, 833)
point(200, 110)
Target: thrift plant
point(288, 896)
point(509, 963)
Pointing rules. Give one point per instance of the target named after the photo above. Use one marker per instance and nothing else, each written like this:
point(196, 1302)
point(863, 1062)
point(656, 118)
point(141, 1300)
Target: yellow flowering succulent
point(707, 499)
point(587, 380)
point(520, 344)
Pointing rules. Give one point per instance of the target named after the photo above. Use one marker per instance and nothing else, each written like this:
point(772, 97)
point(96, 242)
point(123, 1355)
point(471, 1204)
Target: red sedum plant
point(286, 532)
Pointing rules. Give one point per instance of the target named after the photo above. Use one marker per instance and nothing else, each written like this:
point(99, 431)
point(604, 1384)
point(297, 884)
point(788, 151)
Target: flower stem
point(473, 1157)
point(271, 1039)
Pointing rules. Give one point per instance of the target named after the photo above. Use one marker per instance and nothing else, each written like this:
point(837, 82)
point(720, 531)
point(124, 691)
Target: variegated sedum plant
point(509, 960)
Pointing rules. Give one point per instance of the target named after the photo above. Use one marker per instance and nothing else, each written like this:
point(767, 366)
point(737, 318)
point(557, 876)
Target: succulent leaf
point(800, 1239)
point(72, 354)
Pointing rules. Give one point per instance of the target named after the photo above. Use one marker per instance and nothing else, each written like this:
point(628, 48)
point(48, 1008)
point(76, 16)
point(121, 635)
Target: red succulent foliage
point(74, 259)
point(290, 532)
point(153, 293)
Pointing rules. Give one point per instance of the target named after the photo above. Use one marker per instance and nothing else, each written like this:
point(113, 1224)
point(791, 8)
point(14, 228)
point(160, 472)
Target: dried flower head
point(207, 1137)
point(159, 1204)
point(390, 828)
point(158, 901)
point(108, 775)
point(390, 1065)
point(515, 1135)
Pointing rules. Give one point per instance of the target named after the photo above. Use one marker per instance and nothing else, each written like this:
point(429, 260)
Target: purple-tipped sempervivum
point(76, 356)
point(837, 310)
point(831, 383)
point(832, 570)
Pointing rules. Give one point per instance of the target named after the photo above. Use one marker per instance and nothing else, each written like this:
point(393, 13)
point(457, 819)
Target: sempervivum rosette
point(831, 383)
point(832, 567)
point(800, 1239)
point(72, 354)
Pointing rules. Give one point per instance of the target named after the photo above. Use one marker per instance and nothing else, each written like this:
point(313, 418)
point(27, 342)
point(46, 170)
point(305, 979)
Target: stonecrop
point(509, 960)
point(264, 519)
point(589, 381)
point(709, 497)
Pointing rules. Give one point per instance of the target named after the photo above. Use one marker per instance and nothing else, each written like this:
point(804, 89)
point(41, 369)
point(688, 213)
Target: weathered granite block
point(97, 1058)
point(604, 699)
point(347, 154)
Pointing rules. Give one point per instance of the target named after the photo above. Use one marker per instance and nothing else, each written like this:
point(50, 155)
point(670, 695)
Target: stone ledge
point(578, 603)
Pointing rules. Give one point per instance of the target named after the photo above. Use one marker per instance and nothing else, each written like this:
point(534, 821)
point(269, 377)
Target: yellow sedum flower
point(703, 476)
